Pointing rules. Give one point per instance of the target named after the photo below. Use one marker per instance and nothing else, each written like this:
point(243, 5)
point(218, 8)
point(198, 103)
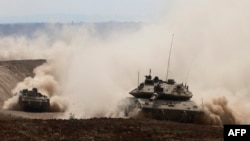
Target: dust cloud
point(217, 112)
point(210, 53)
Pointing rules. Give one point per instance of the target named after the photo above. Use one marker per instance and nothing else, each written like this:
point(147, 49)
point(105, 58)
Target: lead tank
point(32, 100)
point(165, 100)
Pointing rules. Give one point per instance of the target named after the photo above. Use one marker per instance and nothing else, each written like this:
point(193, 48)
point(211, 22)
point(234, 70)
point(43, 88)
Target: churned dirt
point(23, 126)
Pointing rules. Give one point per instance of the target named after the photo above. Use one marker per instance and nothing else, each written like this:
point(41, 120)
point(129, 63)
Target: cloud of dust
point(11, 103)
point(210, 52)
point(217, 112)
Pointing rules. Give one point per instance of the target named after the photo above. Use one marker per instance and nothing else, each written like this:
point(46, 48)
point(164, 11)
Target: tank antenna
point(170, 50)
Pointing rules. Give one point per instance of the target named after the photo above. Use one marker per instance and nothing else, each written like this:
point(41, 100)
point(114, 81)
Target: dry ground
point(105, 129)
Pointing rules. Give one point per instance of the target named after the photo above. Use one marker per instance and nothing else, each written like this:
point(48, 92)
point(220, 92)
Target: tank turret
point(168, 90)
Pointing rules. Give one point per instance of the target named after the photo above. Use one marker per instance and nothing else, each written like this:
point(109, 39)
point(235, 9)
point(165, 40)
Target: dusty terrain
point(106, 129)
point(18, 125)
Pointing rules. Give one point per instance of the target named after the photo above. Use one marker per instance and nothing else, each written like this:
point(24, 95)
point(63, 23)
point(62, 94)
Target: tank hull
point(34, 104)
point(180, 111)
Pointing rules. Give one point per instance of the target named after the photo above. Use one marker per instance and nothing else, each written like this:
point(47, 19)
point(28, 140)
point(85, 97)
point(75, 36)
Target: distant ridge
point(28, 29)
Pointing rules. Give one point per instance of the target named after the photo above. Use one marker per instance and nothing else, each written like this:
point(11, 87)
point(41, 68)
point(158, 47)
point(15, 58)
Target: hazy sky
point(81, 10)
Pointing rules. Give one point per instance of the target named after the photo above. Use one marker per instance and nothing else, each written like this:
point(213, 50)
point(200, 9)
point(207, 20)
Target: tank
point(165, 100)
point(32, 100)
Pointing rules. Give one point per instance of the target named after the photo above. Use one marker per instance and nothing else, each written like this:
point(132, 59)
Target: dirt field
point(24, 126)
point(106, 129)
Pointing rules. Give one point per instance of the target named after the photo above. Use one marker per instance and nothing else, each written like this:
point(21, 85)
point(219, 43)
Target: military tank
point(165, 100)
point(32, 100)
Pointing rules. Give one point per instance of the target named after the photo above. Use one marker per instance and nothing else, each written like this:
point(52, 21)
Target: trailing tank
point(165, 100)
point(32, 100)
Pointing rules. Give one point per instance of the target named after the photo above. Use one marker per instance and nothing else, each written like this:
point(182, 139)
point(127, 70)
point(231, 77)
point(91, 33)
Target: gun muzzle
point(155, 96)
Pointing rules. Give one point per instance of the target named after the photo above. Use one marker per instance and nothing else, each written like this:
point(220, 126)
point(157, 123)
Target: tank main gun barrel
point(154, 97)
